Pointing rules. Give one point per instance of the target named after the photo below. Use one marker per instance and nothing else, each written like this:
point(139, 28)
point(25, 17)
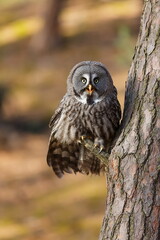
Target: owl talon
point(101, 149)
point(95, 145)
point(99, 143)
point(83, 137)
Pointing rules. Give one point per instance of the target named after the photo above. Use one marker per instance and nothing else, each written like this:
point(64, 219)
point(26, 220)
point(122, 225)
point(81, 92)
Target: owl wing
point(61, 157)
point(56, 116)
point(114, 113)
point(69, 158)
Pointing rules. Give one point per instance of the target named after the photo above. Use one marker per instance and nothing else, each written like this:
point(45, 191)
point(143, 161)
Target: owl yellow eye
point(83, 80)
point(96, 80)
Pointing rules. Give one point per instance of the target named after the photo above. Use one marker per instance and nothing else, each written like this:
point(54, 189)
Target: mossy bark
point(133, 173)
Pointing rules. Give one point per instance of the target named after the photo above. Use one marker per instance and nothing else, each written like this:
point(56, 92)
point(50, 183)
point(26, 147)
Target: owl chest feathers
point(82, 119)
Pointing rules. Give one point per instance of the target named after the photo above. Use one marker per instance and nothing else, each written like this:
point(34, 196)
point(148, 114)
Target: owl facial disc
point(89, 83)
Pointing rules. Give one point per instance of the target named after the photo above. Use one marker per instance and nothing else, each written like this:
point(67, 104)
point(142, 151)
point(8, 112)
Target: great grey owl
point(89, 109)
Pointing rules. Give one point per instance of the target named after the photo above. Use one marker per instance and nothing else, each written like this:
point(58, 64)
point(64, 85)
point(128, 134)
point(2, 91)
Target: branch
point(103, 156)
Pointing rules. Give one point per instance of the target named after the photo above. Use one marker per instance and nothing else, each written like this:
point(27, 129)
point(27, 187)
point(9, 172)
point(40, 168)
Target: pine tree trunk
point(133, 179)
point(52, 32)
point(50, 36)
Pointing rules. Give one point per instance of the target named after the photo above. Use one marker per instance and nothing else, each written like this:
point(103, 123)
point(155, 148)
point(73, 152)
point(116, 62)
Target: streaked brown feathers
point(64, 158)
point(97, 118)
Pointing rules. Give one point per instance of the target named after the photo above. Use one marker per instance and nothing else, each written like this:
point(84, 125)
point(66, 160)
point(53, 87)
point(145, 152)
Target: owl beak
point(90, 89)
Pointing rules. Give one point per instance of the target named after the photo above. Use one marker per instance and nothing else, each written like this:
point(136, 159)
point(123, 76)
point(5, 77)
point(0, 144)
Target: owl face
point(90, 82)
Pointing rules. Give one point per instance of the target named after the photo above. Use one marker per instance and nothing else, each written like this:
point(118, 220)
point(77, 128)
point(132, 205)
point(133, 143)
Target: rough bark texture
point(133, 177)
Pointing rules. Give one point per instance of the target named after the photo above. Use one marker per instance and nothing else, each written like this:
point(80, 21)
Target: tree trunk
point(52, 32)
point(133, 179)
point(50, 36)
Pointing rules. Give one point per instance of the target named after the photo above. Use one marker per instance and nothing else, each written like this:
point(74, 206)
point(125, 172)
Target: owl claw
point(101, 149)
point(95, 145)
point(99, 143)
point(83, 137)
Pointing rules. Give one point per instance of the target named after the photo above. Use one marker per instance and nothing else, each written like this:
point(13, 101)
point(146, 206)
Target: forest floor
point(33, 202)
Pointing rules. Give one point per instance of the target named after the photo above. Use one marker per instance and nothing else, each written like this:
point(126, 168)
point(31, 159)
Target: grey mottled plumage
point(89, 108)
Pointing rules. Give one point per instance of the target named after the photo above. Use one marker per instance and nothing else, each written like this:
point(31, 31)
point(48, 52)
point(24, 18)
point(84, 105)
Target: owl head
point(89, 82)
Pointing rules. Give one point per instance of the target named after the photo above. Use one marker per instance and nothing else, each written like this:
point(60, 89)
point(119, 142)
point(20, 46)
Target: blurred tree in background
point(50, 36)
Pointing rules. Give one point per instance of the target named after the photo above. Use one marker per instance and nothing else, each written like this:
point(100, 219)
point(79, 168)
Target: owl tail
point(91, 164)
point(62, 157)
point(88, 163)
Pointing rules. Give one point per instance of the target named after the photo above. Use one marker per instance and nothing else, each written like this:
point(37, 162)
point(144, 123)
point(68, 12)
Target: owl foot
point(83, 137)
point(99, 143)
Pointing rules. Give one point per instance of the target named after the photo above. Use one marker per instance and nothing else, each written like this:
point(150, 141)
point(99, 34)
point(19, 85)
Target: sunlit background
point(35, 60)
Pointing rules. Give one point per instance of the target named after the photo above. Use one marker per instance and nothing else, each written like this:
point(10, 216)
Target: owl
point(89, 109)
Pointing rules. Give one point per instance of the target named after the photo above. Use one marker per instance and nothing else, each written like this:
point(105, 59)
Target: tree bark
point(133, 176)
point(133, 167)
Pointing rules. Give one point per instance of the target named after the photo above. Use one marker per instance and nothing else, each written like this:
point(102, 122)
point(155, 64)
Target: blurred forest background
point(40, 42)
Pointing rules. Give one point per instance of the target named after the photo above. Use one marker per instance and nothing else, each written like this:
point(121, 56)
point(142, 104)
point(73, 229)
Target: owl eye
point(96, 80)
point(83, 80)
